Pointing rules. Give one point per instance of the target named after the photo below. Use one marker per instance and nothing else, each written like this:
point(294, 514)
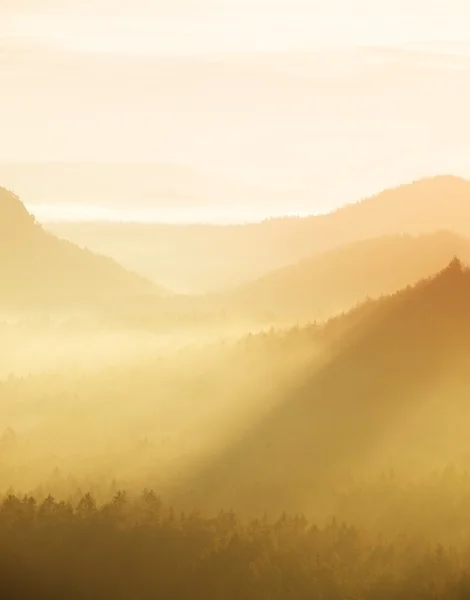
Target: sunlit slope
point(36, 267)
point(206, 258)
point(335, 280)
point(394, 393)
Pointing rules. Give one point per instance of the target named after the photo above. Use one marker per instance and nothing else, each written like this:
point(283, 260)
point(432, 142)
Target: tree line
point(140, 548)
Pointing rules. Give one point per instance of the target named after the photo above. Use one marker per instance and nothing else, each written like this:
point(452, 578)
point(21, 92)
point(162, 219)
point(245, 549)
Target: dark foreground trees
point(141, 549)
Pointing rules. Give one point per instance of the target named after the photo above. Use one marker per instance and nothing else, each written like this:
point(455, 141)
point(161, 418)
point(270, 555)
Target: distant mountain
point(37, 268)
point(392, 391)
point(169, 192)
point(208, 258)
point(335, 280)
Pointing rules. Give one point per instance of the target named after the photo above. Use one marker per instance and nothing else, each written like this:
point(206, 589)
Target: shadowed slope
point(36, 267)
point(395, 390)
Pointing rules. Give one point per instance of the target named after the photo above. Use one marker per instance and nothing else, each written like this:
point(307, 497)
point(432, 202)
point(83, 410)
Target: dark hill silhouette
point(37, 268)
point(335, 280)
point(394, 392)
point(209, 258)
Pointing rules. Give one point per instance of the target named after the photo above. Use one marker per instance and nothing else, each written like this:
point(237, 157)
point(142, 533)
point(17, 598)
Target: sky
point(323, 102)
point(189, 27)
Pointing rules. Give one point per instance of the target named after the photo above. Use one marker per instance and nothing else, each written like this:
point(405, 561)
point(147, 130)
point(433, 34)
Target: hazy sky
point(324, 100)
point(199, 26)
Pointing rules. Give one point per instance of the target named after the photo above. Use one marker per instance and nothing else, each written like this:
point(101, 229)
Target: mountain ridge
point(383, 393)
point(251, 250)
point(37, 267)
point(319, 286)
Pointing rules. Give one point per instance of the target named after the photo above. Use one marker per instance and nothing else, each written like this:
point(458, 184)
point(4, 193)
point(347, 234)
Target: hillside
point(206, 258)
point(37, 268)
point(335, 280)
point(392, 392)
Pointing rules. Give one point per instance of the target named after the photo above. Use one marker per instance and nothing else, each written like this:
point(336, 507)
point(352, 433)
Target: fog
point(234, 300)
point(131, 413)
